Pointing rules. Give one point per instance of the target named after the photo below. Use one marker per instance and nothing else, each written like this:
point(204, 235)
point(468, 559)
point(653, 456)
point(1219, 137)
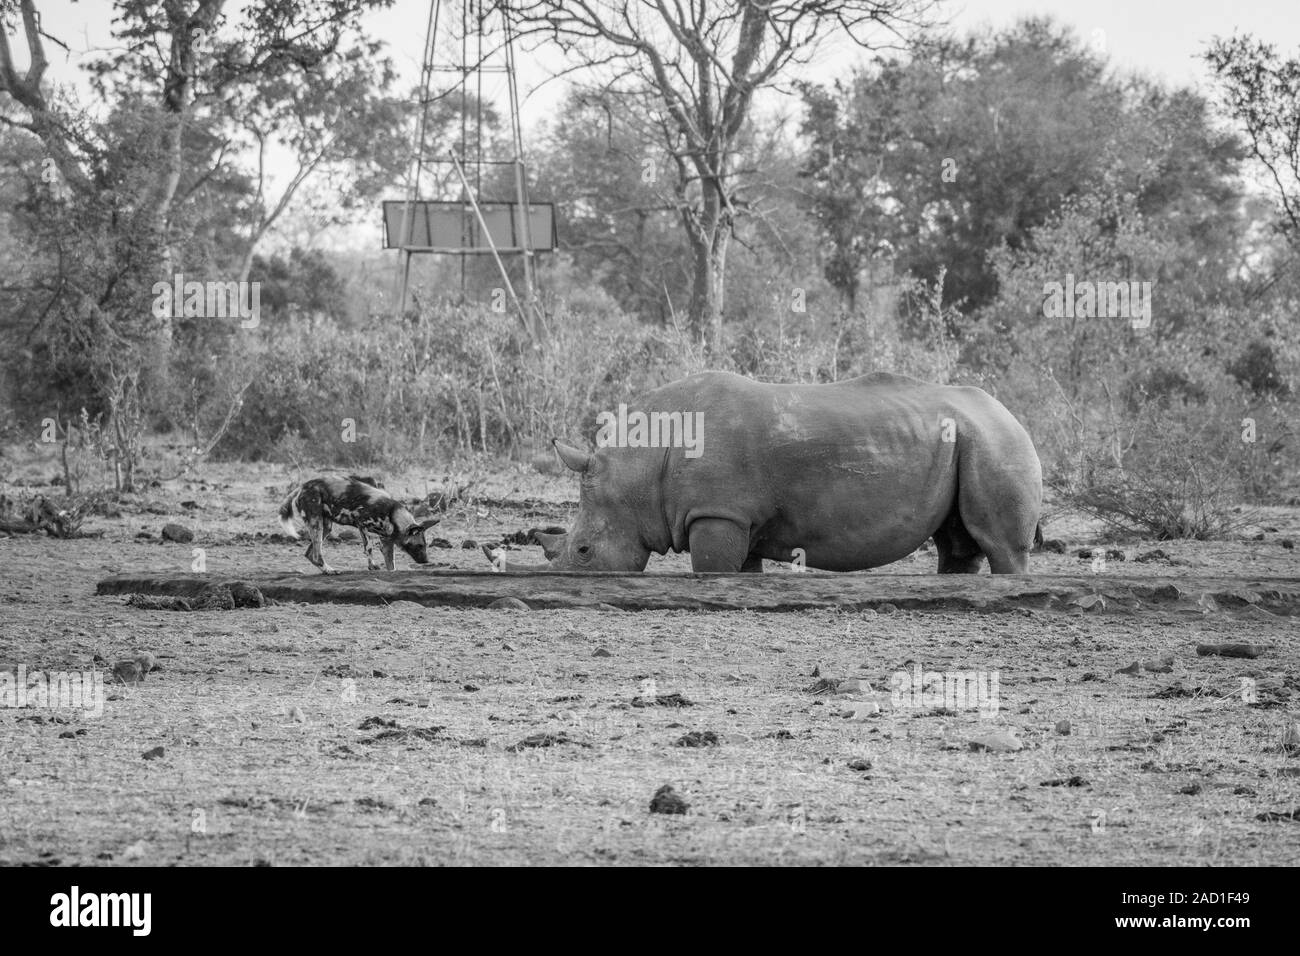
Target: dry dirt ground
point(347, 734)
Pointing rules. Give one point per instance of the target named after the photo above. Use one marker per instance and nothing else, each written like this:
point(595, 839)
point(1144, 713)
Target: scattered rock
point(296, 715)
point(862, 711)
point(601, 652)
point(1063, 728)
point(663, 700)
point(823, 685)
point(1239, 597)
point(508, 604)
point(469, 544)
point(1168, 592)
point(399, 734)
point(860, 764)
point(544, 740)
point(1002, 742)
point(666, 800)
point(1257, 613)
point(1133, 670)
point(1090, 602)
point(1287, 543)
point(343, 671)
point(1276, 816)
point(886, 608)
point(213, 598)
point(177, 532)
point(1233, 650)
point(1149, 556)
point(153, 754)
point(1075, 781)
point(697, 738)
point(246, 595)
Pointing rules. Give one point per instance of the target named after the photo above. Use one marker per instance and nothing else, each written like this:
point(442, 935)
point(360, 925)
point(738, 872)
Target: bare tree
point(705, 60)
point(1261, 91)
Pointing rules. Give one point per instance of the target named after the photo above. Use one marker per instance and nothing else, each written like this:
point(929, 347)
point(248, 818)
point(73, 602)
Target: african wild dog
point(354, 501)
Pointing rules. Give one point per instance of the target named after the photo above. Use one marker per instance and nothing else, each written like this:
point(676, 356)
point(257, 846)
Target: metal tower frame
point(468, 160)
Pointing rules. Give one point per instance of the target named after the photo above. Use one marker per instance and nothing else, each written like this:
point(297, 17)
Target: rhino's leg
point(999, 504)
point(959, 553)
point(718, 545)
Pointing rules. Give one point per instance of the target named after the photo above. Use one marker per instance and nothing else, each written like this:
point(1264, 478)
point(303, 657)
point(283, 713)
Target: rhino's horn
point(573, 458)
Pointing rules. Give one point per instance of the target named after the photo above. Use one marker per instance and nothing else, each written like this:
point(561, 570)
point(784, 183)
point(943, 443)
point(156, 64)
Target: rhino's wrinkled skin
point(843, 477)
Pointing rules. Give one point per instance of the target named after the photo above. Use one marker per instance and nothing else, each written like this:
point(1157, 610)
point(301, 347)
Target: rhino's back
point(837, 417)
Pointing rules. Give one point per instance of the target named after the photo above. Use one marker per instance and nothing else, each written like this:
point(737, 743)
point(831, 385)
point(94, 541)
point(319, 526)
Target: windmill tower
point(466, 45)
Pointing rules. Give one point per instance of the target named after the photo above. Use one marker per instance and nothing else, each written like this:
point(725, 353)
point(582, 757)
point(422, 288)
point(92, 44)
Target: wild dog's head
point(410, 534)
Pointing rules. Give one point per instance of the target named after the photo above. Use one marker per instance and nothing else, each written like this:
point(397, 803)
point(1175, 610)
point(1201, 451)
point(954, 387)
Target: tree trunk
point(710, 235)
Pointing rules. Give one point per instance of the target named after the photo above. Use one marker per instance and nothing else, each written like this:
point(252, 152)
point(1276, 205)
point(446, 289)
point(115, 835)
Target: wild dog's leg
point(370, 550)
point(387, 546)
point(316, 532)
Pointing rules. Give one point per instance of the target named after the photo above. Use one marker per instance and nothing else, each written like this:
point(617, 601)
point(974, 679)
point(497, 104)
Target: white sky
point(1164, 39)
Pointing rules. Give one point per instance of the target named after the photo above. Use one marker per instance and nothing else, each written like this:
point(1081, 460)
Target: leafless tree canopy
point(705, 61)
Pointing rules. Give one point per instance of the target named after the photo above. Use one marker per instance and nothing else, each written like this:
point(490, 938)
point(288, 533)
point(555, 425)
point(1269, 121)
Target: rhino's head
point(606, 534)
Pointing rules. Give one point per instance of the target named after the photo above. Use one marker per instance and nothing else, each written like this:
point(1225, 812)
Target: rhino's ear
point(574, 458)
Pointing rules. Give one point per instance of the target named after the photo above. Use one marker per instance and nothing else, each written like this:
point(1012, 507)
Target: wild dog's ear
point(428, 523)
point(574, 458)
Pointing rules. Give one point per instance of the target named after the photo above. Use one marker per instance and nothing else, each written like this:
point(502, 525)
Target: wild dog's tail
point(286, 513)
